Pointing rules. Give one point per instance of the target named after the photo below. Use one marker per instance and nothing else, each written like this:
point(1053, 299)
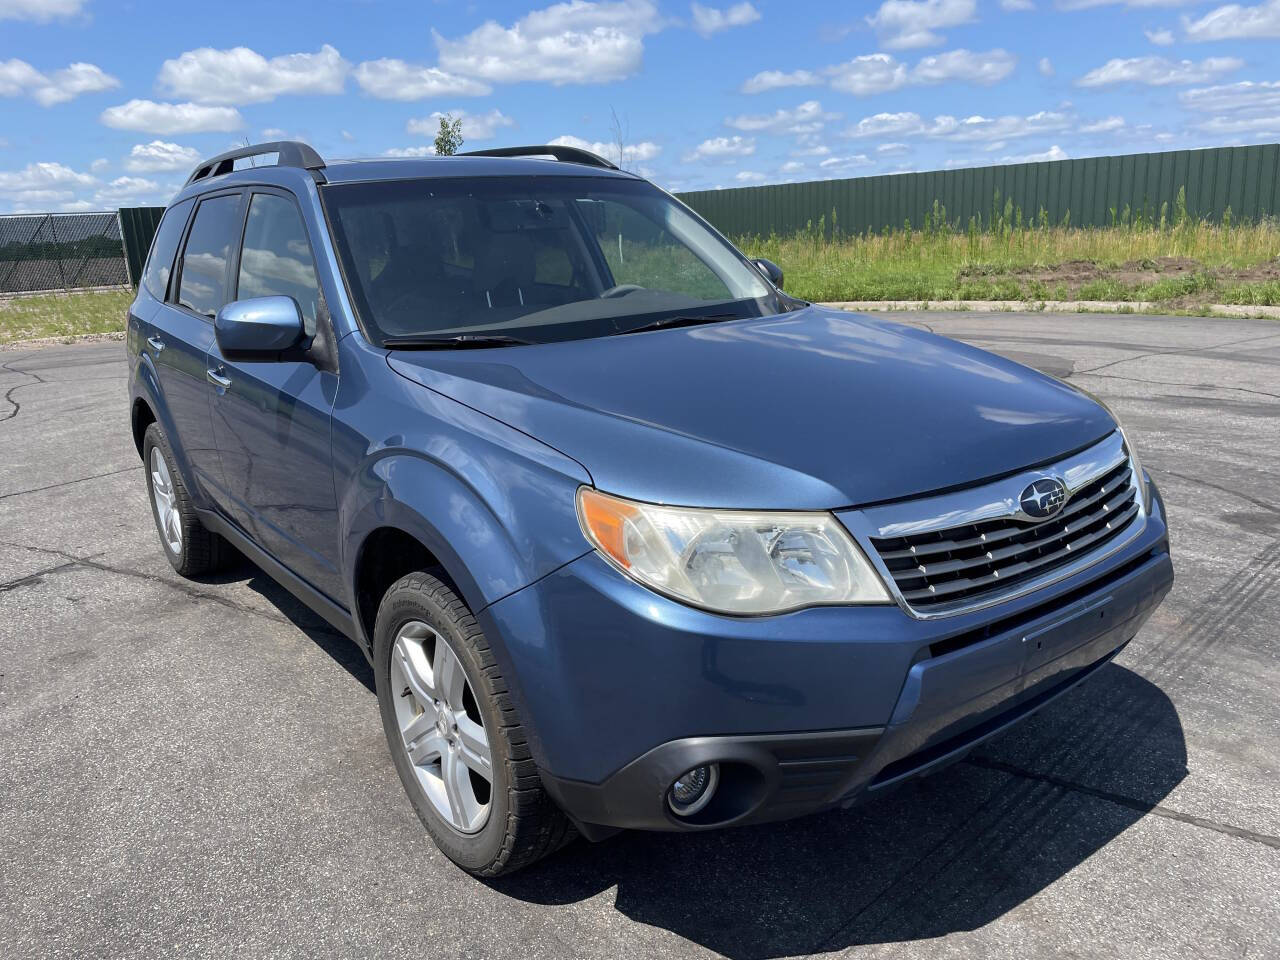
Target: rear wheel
point(190, 548)
point(457, 743)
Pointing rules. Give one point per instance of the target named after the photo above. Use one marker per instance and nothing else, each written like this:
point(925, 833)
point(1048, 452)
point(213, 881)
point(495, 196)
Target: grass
point(1192, 263)
point(63, 314)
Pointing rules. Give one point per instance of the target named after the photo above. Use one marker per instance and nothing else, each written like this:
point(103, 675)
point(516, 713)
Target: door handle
point(155, 343)
point(217, 379)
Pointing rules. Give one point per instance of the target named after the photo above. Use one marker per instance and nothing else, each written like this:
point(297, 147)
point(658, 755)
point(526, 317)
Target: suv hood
point(814, 409)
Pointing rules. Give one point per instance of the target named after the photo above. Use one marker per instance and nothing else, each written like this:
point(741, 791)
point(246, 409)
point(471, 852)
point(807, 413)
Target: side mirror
point(258, 330)
point(771, 270)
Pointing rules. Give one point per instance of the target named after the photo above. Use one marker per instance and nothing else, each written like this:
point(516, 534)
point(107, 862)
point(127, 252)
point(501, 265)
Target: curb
point(1049, 306)
point(60, 341)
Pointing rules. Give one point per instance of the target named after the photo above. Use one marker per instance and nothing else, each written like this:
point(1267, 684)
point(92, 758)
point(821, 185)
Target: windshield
point(534, 258)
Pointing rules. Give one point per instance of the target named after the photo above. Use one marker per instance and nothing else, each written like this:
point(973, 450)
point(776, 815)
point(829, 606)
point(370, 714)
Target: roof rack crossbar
point(561, 152)
point(289, 153)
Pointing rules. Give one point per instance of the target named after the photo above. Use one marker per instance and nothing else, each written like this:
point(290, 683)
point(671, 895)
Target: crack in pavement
point(1186, 353)
point(1227, 490)
point(1132, 803)
point(74, 561)
point(67, 483)
point(8, 396)
point(1174, 383)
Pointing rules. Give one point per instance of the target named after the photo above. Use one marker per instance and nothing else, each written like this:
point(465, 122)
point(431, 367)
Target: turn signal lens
point(731, 561)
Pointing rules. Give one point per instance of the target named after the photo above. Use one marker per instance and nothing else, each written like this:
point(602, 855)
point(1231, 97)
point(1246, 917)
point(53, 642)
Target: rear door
point(183, 332)
point(271, 419)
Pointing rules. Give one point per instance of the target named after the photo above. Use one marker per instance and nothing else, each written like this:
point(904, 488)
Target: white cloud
point(1053, 153)
point(19, 78)
point(398, 80)
point(1045, 66)
point(807, 118)
point(50, 177)
point(1014, 6)
point(982, 69)
point(905, 24)
point(148, 116)
point(1158, 71)
point(1247, 96)
point(566, 43)
point(1255, 126)
point(887, 149)
point(709, 20)
point(126, 189)
point(41, 11)
point(971, 129)
point(633, 153)
point(811, 149)
point(1109, 125)
point(791, 166)
point(475, 126)
point(867, 75)
point(1090, 4)
point(160, 155)
point(1235, 22)
point(722, 148)
point(774, 79)
point(845, 163)
point(1161, 38)
point(241, 75)
point(748, 176)
point(876, 73)
point(427, 151)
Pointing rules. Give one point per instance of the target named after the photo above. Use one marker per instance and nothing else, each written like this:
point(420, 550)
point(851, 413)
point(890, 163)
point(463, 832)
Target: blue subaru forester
point(631, 538)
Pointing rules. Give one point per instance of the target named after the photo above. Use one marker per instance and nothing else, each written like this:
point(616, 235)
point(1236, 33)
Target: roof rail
point(560, 151)
point(289, 153)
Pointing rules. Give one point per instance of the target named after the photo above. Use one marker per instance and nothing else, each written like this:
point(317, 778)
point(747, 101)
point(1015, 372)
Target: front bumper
point(624, 690)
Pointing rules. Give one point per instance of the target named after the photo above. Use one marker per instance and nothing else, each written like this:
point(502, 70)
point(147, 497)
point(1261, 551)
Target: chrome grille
point(971, 563)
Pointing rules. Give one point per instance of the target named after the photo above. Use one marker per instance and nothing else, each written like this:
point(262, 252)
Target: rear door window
point(163, 248)
point(275, 258)
point(202, 284)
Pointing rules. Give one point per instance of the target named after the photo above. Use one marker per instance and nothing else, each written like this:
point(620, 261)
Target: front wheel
point(456, 741)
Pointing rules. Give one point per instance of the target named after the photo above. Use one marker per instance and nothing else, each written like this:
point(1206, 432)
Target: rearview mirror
point(259, 329)
point(771, 270)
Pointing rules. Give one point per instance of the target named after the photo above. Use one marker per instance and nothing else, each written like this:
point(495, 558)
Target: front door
point(271, 419)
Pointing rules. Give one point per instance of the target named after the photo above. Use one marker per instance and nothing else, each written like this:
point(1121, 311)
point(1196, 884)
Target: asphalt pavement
point(198, 769)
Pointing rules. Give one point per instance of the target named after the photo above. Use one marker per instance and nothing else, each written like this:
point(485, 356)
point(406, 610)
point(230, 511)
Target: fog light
point(693, 789)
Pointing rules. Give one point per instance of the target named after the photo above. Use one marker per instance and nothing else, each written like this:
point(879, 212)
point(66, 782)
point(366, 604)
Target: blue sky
point(105, 103)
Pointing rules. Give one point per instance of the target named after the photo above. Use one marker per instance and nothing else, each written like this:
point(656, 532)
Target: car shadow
point(947, 853)
point(342, 649)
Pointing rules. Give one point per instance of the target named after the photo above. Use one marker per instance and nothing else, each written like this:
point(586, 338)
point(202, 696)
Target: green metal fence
point(1092, 192)
point(137, 227)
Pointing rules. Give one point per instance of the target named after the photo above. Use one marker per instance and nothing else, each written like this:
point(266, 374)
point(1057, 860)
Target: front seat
point(504, 277)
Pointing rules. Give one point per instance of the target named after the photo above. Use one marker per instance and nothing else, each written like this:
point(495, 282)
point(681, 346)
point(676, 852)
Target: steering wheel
point(621, 290)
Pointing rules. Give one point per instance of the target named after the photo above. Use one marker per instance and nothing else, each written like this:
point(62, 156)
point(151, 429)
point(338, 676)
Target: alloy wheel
point(441, 727)
point(166, 502)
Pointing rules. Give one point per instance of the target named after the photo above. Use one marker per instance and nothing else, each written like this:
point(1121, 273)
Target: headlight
point(731, 561)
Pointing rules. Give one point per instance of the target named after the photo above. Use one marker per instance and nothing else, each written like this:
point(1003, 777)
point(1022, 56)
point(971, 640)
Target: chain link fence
point(60, 251)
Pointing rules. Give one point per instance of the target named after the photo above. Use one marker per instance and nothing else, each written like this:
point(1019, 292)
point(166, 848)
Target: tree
point(449, 138)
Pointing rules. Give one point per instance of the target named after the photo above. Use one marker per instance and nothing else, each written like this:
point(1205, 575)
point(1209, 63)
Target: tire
point(190, 549)
point(421, 623)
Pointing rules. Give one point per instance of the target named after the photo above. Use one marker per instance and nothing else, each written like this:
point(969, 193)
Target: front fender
point(495, 506)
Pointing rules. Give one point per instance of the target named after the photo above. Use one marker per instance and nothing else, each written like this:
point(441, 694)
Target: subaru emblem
point(1043, 498)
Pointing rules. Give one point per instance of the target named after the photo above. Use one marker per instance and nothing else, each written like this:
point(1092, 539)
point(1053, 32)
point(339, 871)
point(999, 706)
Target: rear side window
point(163, 247)
point(275, 259)
point(202, 286)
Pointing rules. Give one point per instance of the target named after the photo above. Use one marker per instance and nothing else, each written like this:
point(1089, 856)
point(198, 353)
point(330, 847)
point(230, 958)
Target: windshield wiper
point(665, 323)
point(455, 342)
